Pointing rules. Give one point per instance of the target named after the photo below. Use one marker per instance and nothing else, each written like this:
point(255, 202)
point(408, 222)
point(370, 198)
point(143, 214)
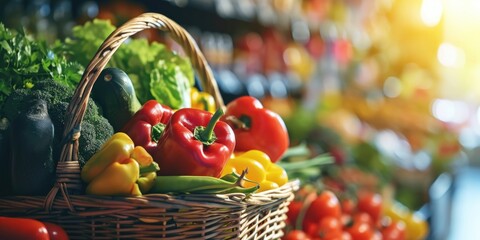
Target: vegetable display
point(199, 140)
point(366, 215)
point(256, 127)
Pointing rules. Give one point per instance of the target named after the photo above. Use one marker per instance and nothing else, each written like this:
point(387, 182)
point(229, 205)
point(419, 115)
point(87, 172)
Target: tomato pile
point(365, 216)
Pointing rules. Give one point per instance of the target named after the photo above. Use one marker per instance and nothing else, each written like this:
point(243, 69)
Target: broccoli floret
point(95, 129)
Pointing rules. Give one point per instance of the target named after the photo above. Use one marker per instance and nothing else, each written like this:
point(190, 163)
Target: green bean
point(199, 184)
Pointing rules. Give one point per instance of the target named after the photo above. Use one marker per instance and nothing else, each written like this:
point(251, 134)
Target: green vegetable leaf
point(26, 61)
point(156, 72)
point(169, 86)
point(6, 46)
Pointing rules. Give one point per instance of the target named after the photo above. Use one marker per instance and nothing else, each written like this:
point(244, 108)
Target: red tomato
point(361, 231)
point(394, 231)
point(362, 217)
point(55, 231)
point(346, 236)
point(329, 228)
point(348, 206)
point(22, 229)
point(293, 210)
point(296, 235)
point(371, 203)
point(325, 204)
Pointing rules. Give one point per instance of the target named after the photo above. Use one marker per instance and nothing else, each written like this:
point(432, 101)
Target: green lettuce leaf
point(156, 71)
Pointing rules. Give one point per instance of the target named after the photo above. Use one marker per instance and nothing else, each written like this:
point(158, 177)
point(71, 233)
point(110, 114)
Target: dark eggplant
point(5, 186)
point(113, 91)
point(31, 137)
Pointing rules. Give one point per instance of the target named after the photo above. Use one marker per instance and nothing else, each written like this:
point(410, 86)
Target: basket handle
point(68, 170)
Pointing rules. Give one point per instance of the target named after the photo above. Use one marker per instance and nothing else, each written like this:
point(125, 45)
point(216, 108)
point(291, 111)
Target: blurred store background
point(391, 87)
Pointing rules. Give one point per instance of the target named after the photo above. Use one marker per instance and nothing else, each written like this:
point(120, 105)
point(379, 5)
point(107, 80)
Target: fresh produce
point(261, 170)
point(56, 232)
point(326, 204)
point(195, 142)
point(114, 93)
point(14, 228)
point(156, 71)
point(30, 161)
point(256, 127)
point(370, 203)
point(365, 215)
point(95, 129)
point(147, 125)
point(230, 183)
point(23, 228)
point(116, 167)
point(26, 61)
point(202, 100)
point(394, 230)
point(296, 235)
point(416, 228)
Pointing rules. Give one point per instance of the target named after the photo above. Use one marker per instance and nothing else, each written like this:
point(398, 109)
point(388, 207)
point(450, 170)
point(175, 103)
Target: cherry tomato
point(371, 203)
point(346, 236)
point(329, 228)
point(394, 231)
point(363, 217)
point(325, 204)
point(296, 235)
point(361, 231)
point(55, 231)
point(294, 209)
point(348, 206)
point(22, 229)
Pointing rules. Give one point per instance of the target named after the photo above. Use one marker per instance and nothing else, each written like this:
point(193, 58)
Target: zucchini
point(114, 93)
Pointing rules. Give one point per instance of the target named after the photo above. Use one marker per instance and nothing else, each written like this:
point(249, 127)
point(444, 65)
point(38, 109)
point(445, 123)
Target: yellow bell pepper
point(119, 168)
point(260, 170)
point(202, 100)
point(116, 149)
point(148, 168)
point(119, 178)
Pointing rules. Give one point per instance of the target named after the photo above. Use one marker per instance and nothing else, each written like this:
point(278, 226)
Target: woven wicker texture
point(152, 216)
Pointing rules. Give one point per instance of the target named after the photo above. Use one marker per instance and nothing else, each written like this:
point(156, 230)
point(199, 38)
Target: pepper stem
point(205, 134)
point(157, 131)
point(243, 122)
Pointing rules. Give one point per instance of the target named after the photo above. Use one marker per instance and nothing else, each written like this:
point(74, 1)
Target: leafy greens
point(156, 72)
point(27, 61)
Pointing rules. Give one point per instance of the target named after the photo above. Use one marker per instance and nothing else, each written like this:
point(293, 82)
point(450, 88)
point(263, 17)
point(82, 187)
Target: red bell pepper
point(147, 125)
point(195, 143)
point(257, 128)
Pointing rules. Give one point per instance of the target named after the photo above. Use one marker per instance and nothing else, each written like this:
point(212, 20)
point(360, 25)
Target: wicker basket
point(151, 216)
